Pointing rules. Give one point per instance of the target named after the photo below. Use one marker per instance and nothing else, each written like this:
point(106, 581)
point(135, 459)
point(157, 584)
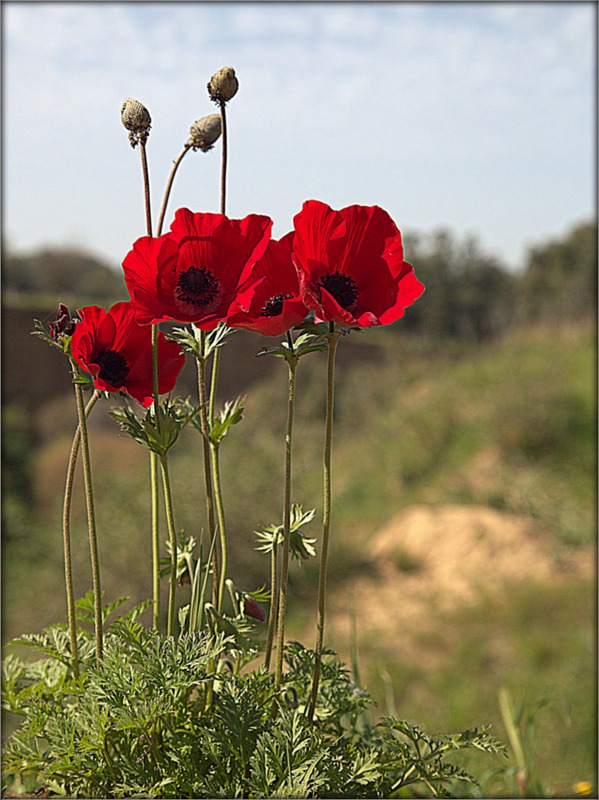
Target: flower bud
point(136, 118)
point(251, 608)
point(223, 85)
point(204, 132)
point(64, 324)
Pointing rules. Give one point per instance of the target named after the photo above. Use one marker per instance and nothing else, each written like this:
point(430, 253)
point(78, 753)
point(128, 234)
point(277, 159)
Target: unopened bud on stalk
point(64, 324)
point(251, 608)
point(136, 118)
point(204, 132)
point(223, 85)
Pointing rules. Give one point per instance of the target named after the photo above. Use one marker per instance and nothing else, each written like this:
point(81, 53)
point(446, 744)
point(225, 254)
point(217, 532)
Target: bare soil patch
point(430, 560)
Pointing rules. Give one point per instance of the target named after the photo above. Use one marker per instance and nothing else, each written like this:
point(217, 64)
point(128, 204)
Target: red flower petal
point(117, 352)
point(269, 301)
point(351, 266)
point(192, 273)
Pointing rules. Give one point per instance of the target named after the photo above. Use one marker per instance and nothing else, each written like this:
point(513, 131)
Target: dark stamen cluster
point(197, 286)
point(342, 287)
point(113, 367)
point(274, 305)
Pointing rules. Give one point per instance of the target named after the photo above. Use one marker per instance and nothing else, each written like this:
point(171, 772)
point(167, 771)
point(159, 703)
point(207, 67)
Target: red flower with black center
point(192, 273)
point(351, 265)
point(269, 300)
point(117, 352)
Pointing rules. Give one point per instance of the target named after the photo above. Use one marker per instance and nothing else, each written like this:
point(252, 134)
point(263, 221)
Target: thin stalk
point(168, 504)
point(155, 532)
point(155, 541)
point(213, 383)
point(66, 534)
point(91, 518)
point(218, 496)
point(169, 185)
point(223, 173)
point(154, 493)
point(155, 365)
point(146, 179)
point(207, 465)
point(220, 513)
point(292, 364)
point(274, 603)
point(326, 520)
point(214, 448)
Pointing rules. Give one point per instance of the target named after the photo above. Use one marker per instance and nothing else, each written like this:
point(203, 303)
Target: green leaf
point(231, 414)
point(160, 428)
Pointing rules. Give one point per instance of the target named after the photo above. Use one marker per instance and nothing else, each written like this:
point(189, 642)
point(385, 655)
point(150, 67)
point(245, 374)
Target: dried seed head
point(136, 118)
point(204, 132)
point(223, 85)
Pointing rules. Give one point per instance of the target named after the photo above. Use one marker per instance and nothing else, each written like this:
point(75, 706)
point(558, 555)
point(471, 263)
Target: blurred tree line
point(64, 272)
point(470, 295)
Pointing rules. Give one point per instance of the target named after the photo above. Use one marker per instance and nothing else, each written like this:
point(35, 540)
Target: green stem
point(292, 364)
point(223, 174)
point(218, 496)
point(168, 504)
point(213, 383)
point(220, 513)
point(207, 464)
point(146, 179)
point(91, 516)
point(326, 519)
point(274, 603)
point(169, 185)
point(155, 365)
point(155, 540)
point(155, 534)
point(66, 532)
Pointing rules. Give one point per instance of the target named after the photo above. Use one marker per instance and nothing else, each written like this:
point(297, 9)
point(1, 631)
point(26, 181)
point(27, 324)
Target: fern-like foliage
point(160, 717)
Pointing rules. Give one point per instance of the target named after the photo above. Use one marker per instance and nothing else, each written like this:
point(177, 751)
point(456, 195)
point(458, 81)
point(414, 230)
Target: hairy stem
point(220, 513)
point(66, 535)
point(155, 541)
point(146, 179)
point(155, 534)
point(218, 496)
point(168, 504)
point(169, 185)
point(274, 603)
point(91, 517)
point(223, 173)
point(326, 520)
point(204, 423)
point(292, 364)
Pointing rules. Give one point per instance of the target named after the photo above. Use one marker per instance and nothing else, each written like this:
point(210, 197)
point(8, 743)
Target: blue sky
point(475, 116)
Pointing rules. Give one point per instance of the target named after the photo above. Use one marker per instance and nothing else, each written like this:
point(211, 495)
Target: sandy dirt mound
point(431, 559)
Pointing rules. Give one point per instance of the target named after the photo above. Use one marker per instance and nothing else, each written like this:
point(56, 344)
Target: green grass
point(538, 643)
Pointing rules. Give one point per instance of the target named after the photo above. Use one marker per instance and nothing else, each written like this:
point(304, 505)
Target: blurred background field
point(463, 554)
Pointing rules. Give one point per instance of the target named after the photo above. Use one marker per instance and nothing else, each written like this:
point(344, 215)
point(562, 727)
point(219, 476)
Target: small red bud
point(64, 324)
point(253, 609)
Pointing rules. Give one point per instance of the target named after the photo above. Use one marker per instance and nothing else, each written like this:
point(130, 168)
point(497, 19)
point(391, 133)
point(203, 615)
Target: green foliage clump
point(170, 717)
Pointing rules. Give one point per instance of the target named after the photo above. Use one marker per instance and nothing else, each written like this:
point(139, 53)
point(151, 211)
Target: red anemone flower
point(351, 265)
point(192, 273)
point(117, 352)
point(269, 300)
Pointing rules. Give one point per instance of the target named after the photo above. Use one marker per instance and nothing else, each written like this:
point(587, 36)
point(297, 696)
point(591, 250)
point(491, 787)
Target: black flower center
point(274, 306)
point(113, 367)
point(343, 288)
point(197, 288)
